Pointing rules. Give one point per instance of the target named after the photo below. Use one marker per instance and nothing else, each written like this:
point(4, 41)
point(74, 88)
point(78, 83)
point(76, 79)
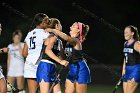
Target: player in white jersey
point(32, 48)
point(3, 88)
point(15, 61)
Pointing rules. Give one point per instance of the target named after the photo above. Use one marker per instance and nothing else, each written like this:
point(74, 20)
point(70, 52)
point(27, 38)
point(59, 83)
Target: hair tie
point(80, 28)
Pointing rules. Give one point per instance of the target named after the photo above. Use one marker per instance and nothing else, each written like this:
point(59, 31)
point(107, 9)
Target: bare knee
point(20, 82)
point(69, 87)
point(131, 86)
point(57, 88)
point(44, 86)
point(32, 85)
point(81, 88)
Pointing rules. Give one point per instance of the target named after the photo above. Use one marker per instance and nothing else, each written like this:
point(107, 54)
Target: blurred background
point(104, 43)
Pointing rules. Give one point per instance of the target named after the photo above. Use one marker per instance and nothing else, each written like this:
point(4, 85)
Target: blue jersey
point(56, 50)
point(79, 70)
point(132, 57)
point(47, 69)
point(73, 55)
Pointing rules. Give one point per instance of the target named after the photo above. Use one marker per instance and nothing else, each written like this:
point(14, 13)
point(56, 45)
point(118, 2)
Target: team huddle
point(44, 51)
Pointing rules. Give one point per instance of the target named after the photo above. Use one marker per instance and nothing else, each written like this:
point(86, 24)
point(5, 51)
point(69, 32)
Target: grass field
point(105, 89)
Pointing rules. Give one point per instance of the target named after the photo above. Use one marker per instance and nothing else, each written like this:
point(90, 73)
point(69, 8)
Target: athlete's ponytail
point(85, 31)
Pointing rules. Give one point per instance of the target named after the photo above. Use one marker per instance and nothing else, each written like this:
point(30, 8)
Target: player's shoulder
point(137, 43)
point(38, 30)
point(28, 34)
point(10, 45)
point(22, 43)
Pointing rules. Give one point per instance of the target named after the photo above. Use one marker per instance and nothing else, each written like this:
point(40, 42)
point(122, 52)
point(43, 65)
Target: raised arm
point(64, 36)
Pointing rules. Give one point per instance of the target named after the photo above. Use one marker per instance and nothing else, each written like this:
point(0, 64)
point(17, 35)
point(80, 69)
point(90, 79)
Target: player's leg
point(69, 86)
point(3, 87)
point(81, 88)
point(44, 86)
point(131, 86)
point(32, 85)
point(20, 84)
point(11, 80)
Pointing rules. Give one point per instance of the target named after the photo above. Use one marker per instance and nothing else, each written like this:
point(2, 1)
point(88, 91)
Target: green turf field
point(105, 89)
point(102, 89)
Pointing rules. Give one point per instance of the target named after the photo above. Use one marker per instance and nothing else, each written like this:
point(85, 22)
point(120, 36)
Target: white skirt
point(15, 73)
point(30, 70)
point(16, 69)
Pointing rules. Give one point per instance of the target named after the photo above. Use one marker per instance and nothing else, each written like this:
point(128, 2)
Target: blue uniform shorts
point(79, 72)
point(46, 71)
point(132, 72)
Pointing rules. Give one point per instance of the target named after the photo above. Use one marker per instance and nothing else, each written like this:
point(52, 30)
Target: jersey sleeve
point(45, 35)
point(9, 46)
point(22, 45)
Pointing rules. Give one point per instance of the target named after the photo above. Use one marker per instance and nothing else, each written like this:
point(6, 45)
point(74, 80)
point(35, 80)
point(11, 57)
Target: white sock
point(23, 91)
point(9, 92)
point(59, 91)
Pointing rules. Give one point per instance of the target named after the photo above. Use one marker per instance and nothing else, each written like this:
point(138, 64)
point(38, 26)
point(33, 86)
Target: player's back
point(34, 41)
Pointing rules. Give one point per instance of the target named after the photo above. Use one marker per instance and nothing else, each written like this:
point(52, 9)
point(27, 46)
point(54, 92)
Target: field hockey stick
point(15, 90)
point(57, 77)
point(117, 85)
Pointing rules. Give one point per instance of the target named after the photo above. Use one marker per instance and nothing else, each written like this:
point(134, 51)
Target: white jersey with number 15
point(34, 41)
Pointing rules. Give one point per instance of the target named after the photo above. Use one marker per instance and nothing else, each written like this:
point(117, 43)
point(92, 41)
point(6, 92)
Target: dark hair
point(135, 30)
point(51, 23)
point(17, 32)
point(39, 18)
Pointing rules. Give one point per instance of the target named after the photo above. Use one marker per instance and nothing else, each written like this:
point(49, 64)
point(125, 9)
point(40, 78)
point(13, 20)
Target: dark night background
point(102, 43)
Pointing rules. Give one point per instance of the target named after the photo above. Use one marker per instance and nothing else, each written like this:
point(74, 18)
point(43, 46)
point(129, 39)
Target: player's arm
point(62, 54)
point(25, 50)
point(64, 36)
point(50, 43)
point(4, 50)
point(137, 46)
point(123, 68)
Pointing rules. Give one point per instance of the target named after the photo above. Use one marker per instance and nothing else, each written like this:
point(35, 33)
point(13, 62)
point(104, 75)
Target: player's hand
point(64, 63)
point(49, 29)
point(4, 50)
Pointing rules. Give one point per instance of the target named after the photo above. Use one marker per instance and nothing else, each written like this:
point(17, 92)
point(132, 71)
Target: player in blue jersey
point(131, 66)
point(79, 74)
point(50, 55)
